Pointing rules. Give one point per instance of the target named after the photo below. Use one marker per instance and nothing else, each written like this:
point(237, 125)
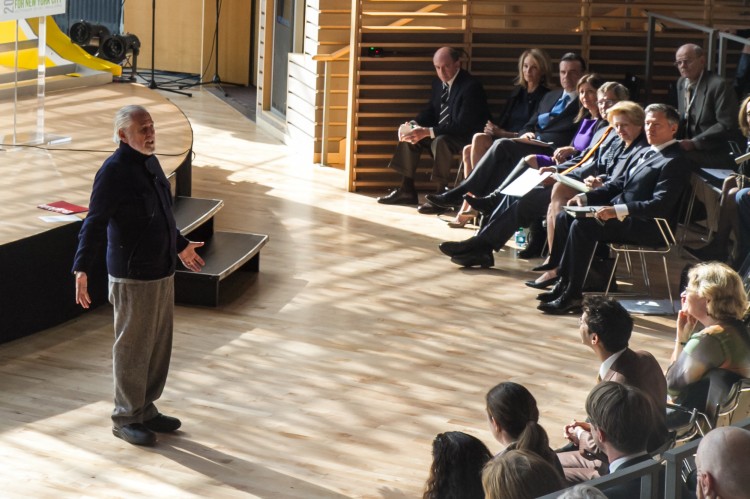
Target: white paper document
point(60, 218)
point(524, 183)
point(572, 183)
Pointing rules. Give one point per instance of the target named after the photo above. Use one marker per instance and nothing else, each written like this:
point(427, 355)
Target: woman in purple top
point(590, 123)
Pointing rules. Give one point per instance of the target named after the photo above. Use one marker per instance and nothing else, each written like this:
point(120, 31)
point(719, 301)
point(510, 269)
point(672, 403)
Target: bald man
point(723, 462)
point(457, 110)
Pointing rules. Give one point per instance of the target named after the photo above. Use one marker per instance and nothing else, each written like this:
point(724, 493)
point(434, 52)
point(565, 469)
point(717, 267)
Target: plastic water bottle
point(521, 238)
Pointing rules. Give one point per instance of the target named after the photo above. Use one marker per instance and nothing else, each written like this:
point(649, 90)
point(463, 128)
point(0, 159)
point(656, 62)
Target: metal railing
point(715, 60)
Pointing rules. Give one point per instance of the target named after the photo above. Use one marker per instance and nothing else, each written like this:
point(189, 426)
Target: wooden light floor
point(328, 377)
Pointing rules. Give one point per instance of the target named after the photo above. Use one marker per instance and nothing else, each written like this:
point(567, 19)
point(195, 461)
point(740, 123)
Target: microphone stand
point(216, 80)
point(152, 84)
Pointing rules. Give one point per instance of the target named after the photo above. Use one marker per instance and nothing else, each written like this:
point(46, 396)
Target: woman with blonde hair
point(715, 298)
point(531, 83)
point(519, 474)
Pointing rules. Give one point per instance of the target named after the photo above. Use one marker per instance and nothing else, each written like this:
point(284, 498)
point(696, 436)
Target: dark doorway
point(283, 40)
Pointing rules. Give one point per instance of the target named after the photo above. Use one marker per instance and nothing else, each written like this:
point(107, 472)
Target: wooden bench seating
point(223, 252)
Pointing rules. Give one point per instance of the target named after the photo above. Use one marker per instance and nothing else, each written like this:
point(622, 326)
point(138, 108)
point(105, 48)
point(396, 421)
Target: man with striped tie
point(457, 110)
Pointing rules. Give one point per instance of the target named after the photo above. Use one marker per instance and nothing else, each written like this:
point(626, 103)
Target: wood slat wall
point(392, 88)
point(387, 90)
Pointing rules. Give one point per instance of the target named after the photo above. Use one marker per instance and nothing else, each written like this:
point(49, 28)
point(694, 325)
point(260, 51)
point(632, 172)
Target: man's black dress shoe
point(485, 205)
point(135, 433)
point(453, 248)
point(398, 196)
point(430, 209)
point(554, 293)
point(542, 285)
point(707, 253)
point(563, 305)
point(445, 200)
point(163, 424)
point(544, 267)
point(482, 259)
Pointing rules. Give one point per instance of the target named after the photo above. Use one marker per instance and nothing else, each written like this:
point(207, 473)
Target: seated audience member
point(519, 474)
point(582, 491)
point(651, 186)
point(502, 222)
point(457, 463)
point(718, 248)
point(534, 73)
point(708, 114)
point(723, 464)
point(742, 200)
point(605, 327)
point(591, 124)
point(514, 421)
point(626, 118)
point(457, 110)
point(716, 299)
point(552, 124)
point(621, 418)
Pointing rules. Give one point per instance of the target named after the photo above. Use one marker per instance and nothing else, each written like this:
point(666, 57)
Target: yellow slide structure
point(62, 49)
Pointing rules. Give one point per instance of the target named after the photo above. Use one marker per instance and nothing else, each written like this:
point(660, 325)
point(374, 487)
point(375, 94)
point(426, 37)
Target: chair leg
point(644, 269)
point(669, 286)
point(591, 260)
point(612, 274)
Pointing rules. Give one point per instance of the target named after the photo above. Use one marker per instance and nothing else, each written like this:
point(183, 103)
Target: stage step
point(223, 252)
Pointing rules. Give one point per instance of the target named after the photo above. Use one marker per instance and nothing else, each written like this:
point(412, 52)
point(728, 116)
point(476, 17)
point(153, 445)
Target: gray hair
point(124, 117)
point(668, 111)
point(582, 491)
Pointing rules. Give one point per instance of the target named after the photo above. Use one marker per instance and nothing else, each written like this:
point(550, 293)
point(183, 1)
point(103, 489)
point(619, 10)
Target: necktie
point(591, 151)
point(556, 110)
point(638, 163)
point(445, 113)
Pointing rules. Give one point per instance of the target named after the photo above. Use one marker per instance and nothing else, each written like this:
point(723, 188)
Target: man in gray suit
point(708, 121)
point(708, 110)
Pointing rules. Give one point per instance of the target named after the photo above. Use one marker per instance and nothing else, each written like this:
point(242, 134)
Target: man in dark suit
point(502, 222)
point(552, 123)
point(457, 110)
point(651, 186)
point(621, 419)
point(605, 326)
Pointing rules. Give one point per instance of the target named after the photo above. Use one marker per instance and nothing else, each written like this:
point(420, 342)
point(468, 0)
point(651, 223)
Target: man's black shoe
point(554, 293)
point(163, 424)
point(478, 258)
point(430, 209)
point(398, 196)
point(707, 253)
point(453, 248)
point(485, 205)
point(445, 200)
point(563, 305)
point(135, 433)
